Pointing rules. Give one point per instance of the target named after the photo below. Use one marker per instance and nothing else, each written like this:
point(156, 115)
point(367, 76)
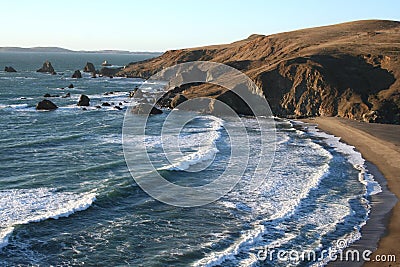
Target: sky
point(151, 25)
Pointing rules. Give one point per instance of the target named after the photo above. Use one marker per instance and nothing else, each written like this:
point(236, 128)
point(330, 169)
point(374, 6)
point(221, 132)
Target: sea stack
point(84, 100)
point(47, 68)
point(77, 74)
point(89, 67)
point(9, 69)
point(46, 105)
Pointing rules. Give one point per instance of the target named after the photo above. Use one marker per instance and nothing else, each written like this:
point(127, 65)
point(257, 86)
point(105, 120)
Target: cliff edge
point(350, 70)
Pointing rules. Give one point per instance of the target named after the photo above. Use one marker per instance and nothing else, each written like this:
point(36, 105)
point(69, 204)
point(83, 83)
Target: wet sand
point(379, 144)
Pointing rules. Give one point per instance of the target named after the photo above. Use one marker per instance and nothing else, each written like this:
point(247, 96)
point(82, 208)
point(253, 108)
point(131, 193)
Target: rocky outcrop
point(49, 95)
point(349, 70)
point(46, 105)
point(146, 109)
point(83, 101)
point(109, 72)
point(177, 100)
point(71, 86)
point(9, 69)
point(89, 67)
point(47, 68)
point(77, 74)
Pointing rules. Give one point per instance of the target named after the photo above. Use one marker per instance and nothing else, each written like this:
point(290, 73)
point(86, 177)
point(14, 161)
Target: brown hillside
point(351, 69)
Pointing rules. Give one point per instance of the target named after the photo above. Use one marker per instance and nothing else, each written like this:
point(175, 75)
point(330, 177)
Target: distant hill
point(34, 49)
point(349, 70)
point(63, 50)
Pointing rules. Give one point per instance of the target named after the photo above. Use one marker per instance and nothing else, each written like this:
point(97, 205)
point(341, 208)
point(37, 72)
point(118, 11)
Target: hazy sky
point(161, 25)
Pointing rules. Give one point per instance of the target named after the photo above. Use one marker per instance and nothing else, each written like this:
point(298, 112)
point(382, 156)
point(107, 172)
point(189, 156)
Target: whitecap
point(204, 139)
point(354, 157)
point(23, 206)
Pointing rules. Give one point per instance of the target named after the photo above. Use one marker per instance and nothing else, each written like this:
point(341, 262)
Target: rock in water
point(83, 100)
point(94, 75)
point(109, 71)
point(49, 95)
point(9, 69)
point(145, 109)
point(89, 67)
point(71, 86)
point(47, 68)
point(46, 105)
point(77, 74)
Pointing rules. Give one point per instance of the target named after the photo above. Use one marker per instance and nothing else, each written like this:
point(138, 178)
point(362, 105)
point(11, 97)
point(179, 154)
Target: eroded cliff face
point(349, 70)
point(326, 85)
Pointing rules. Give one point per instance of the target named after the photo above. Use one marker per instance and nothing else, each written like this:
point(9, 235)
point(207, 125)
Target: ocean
point(67, 197)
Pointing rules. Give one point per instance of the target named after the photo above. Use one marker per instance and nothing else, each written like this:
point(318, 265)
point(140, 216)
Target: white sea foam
point(247, 238)
point(288, 184)
point(205, 142)
point(22, 206)
point(354, 157)
point(18, 106)
point(372, 187)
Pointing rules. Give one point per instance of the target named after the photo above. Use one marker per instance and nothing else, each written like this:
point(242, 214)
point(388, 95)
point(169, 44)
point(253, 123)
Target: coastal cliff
point(350, 70)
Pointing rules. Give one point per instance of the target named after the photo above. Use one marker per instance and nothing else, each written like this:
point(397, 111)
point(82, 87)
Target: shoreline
point(380, 147)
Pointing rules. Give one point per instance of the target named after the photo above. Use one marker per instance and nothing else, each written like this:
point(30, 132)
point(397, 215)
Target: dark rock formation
point(339, 70)
point(177, 100)
point(94, 75)
point(89, 67)
point(118, 107)
point(146, 109)
point(106, 104)
point(9, 69)
point(109, 72)
point(77, 74)
point(71, 86)
point(46, 105)
point(67, 95)
point(83, 100)
point(47, 68)
point(49, 95)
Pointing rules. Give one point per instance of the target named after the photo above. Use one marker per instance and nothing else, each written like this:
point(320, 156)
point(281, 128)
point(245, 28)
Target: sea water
point(67, 197)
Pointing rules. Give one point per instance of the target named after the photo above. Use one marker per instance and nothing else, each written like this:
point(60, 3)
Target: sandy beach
point(380, 146)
